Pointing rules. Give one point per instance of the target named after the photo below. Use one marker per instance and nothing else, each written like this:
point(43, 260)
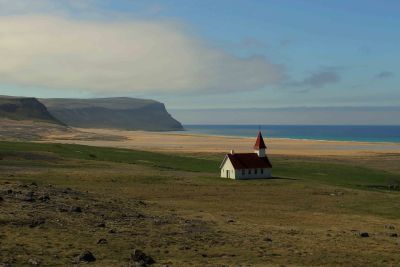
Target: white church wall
point(227, 170)
point(261, 173)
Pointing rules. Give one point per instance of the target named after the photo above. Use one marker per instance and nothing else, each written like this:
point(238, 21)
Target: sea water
point(314, 132)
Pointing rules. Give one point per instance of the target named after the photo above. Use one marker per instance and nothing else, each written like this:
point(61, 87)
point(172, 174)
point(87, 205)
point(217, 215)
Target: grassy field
point(176, 209)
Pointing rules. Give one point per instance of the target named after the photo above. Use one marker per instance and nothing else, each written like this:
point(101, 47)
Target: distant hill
point(120, 113)
point(25, 108)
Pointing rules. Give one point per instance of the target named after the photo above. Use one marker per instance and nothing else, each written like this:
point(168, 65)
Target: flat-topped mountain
point(25, 108)
point(119, 113)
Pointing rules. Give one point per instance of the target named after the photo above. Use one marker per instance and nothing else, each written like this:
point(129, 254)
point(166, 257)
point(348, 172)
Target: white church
point(248, 165)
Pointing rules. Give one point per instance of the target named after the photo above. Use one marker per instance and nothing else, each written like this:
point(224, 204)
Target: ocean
point(314, 132)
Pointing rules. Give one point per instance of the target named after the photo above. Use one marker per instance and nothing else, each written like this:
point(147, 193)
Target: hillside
point(25, 108)
point(120, 113)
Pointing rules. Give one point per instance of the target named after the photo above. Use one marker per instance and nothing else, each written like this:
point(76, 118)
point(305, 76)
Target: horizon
point(372, 116)
point(286, 116)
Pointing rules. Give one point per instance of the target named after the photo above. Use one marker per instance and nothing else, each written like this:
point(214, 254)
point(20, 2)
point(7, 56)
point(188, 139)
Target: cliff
point(25, 108)
point(119, 113)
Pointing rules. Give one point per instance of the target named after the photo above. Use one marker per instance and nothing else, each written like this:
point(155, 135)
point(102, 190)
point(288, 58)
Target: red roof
point(259, 142)
point(249, 161)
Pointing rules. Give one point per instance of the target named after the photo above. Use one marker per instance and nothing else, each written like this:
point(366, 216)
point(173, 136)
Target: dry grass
point(187, 218)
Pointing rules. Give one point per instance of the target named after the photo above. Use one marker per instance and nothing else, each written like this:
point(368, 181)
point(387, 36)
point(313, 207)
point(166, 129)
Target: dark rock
point(67, 190)
point(33, 262)
point(44, 198)
point(140, 216)
point(86, 256)
point(394, 235)
point(140, 259)
point(75, 209)
point(267, 239)
point(1, 198)
point(9, 191)
point(142, 203)
point(36, 222)
point(364, 234)
point(101, 225)
point(231, 221)
point(102, 241)
point(112, 231)
point(29, 197)
point(389, 226)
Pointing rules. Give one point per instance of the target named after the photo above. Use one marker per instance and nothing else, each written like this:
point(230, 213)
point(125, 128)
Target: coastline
point(185, 142)
point(292, 138)
point(350, 133)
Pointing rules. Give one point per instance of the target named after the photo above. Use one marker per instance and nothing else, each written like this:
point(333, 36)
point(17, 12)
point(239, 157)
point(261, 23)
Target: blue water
point(314, 132)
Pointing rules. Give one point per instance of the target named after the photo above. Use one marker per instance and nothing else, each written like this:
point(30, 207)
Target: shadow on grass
point(281, 178)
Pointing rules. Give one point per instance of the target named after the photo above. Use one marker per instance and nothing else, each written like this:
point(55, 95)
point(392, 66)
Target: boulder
point(101, 225)
point(33, 262)
point(44, 198)
point(140, 259)
point(86, 256)
point(102, 241)
point(36, 222)
point(76, 209)
point(364, 234)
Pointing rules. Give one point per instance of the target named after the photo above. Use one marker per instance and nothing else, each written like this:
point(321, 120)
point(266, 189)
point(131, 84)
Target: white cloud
point(120, 56)
point(9, 7)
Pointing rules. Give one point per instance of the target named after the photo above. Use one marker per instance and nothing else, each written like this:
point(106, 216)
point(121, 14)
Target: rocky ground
point(40, 209)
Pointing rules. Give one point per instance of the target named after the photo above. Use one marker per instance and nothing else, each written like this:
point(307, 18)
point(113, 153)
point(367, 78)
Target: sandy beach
point(194, 143)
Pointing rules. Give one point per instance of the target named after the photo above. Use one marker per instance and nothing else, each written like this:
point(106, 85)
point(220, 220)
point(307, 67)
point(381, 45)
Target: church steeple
point(259, 146)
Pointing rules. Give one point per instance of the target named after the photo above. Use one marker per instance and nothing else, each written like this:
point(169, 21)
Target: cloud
point(13, 7)
point(123, 56)
point(318, 79)
point(384, 75)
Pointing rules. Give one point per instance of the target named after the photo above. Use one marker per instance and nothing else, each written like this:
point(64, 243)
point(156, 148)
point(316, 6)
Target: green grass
point(313, 170)
point(158, 160)
point(335, 173)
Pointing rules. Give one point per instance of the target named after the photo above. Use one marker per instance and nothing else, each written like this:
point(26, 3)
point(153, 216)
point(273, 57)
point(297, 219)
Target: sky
point(204, 54)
